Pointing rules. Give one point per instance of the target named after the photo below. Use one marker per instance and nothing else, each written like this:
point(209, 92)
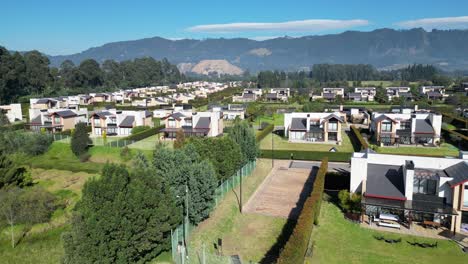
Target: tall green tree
point(12, 175)
point(80, 139)
point(244, 136)
point(37, 71)
point(123, 217)
point(91, 73)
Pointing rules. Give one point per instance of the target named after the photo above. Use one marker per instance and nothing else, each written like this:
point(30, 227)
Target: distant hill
point(383, 48)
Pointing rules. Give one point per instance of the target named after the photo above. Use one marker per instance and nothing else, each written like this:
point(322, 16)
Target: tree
point(123, 217)
point(80, 140)
point(184, 167)
point(244, 136)
point(180, 139)
point(25, 206)
point(92, 73)
point(37, 71)
point(11, 174)
point(4, 121)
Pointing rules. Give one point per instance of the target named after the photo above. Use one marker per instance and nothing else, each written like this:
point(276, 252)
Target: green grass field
point(340, 241)
point(149, 143)
point(278, 120)
point(281, 143)
point(444, 150)
point(247, 235)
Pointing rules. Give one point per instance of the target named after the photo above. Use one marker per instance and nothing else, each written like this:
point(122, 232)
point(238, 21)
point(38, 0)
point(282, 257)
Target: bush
point(144, 134)
point(349, 202)
point(306, 155)
point(80, 140)
point(139, 129)
point(125, 153)
point(25, 142)
point(358, 141)
point(85, 156)
point(298, 245)
point(267, 130)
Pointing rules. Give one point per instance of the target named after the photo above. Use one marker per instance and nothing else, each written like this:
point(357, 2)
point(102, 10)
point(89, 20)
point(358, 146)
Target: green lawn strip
point(281, 143)
point(247, 235)
point(340, 241)
point(149, 143)
point(444, 150)
point(278, 119)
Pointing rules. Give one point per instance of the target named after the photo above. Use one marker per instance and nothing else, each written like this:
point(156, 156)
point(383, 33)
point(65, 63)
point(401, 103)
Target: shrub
point(349, 202)
point(80, 140)
point(139, 129)
point(144, 134)
point(299, 243)
point(267, 130)
point(84, 156)
point(358, 140)
point(125, 153)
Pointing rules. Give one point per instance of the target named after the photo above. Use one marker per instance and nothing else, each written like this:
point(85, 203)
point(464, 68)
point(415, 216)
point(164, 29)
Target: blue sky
point(65, 27)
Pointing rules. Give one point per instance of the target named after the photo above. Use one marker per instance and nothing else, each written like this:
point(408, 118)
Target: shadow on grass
point(273, 253)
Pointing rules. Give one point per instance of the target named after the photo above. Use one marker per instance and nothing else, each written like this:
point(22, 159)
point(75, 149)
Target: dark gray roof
point(103, 114)
point(434, 94)
point(298, 124)
point(423, 127)
point(65, 113)
point(44, 101)
point(272, 95)
point(37, 120)
point(249, 95)
point(147, 113)
point(329, 95)
point(354, 95)
point(407, 95)
point(127, 122)
point(328, 117)
point(177, 115)
point(459, 173)
point(382, 118)
point(385, 181)
point(203, 122)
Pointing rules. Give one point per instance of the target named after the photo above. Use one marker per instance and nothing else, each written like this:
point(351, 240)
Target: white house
point(313, 127)
point(118, 123)
point(363, 94)
point(397, 92)
point(414, 189)
point(433, 92)
point(202, 124)
point(329, 94)
point(13, 112)
point(278, 94)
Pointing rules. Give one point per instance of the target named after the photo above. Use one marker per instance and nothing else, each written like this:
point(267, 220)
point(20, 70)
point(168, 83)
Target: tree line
point(30, 74)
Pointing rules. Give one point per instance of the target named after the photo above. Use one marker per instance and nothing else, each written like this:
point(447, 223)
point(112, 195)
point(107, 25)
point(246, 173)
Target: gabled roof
point(328, 117)
point(127, 122)
point(203, 122)
point(459, 173)
point(65, 113)
point(384, 117)
point(423, 127)
point(385, 181)
point(44, 101)
point(102, 114)
point(148, 113)
point(37, 120)
point(298, 124)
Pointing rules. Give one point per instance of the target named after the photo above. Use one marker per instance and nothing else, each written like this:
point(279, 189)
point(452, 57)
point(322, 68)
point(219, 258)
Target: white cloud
point(440, 23)
point(261, 38)
point(310, 25)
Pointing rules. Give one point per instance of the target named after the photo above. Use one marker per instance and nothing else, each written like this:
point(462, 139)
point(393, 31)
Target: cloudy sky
point(65, 27)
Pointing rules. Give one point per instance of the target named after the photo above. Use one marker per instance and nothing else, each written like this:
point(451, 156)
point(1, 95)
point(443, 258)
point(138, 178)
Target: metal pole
point(272, 157)
point(187, 217)
point(240, 204)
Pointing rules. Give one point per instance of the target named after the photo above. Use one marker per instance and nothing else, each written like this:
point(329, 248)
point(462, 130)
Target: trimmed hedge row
point(298, 247)
point(357, 137)
point(144, 134)
point(306, 155)
point(267, 130)
point(455, 120)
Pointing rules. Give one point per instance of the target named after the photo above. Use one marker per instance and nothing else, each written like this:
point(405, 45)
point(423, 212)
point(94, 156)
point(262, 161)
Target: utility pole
point(272, 134)
point(240, 187)
point(186, 218)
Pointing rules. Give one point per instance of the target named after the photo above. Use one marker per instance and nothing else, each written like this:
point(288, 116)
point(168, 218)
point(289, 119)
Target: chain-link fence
point(181, 234)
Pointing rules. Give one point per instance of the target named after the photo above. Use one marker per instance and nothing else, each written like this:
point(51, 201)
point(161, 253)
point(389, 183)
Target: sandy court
point(282, 191)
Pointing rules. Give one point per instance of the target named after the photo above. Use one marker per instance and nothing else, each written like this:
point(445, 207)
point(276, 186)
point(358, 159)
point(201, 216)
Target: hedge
point(144, 134)
point(454, 120)
point(13, 127)
point(306, 155)
point(447, 133)
point(298, 247)
point(267, 130)
point(357, 137)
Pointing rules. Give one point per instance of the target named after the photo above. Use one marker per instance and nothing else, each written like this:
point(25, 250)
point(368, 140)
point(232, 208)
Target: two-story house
point(56, 120)
point(200, 124)
point(118, 123)
point(433, 92)
point(363, 94)
point(397, 92)
point(13, 112)
point(278, 94)
point(231, 111)
point(313, 127)
point(412, 188)
point(413, 127)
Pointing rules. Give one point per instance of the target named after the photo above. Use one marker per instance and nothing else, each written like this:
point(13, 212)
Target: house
point(200, 124)
point(118, 123)
point(44, 103)
point(56, 120)
point(408, 127)
point(363, 94)
point(13, 112)
point(397, 92)
point(244, 98)
point(231, 111)
point(278, 94)
point(313, 127)
point(433, 92)
point(413, 189)
point(329, 94)
point(167, 110)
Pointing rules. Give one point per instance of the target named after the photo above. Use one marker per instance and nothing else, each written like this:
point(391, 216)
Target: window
point(405, 125)
point(425, 186)
point(333, 126)
point(465, 196)
point(171, 123)
point(386, 126)
point(113, 120)
point(97, 122)
point(57, 120)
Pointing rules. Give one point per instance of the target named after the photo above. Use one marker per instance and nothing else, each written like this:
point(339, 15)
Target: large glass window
point(386, 126)
point(465, 196)
point(424, 186)
point(57, 120)
point(405, 125)
point(171, 123)
point(332, 126)
point(97, 122)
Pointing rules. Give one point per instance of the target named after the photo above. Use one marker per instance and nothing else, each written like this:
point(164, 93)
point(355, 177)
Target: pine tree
point(80, 140)
point(180, 139)
point(244, 136)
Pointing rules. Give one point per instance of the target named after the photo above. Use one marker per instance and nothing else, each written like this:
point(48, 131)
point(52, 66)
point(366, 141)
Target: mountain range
point(383, 48)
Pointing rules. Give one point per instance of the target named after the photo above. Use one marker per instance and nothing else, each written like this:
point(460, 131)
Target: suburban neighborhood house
point(329, 94)
point(362, 94)
point(248, 95)
point(231, 111)
point(397, 92)
point(202, 124)
point(114, 122)
point(433, 92)
point(13, 112)
point(406, 128)
point(314, 127)
point(56, 120)
point(278, 94)
point(408, 189)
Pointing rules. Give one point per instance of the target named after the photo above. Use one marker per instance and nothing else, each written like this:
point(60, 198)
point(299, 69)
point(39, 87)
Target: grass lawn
point(340, 241)
point(283, 144)
point(247, 235)
point(278, 120)
point(149, 143)
point(444, 150)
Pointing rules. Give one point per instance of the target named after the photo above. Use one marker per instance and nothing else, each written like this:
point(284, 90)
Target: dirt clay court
point(283, 191)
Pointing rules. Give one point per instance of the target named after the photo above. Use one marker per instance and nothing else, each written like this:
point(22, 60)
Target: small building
point(363, 94)
point(397, 92)
point(313, 127)
point(433, 92)
point(199, 124)
point(114, 122)
point(13, 112)
point(56, 120)
point(278, 94)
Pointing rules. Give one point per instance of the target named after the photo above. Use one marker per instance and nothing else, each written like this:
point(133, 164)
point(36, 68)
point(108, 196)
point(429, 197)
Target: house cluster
point(12, 111)
point(398, 191)
point(267, 94)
